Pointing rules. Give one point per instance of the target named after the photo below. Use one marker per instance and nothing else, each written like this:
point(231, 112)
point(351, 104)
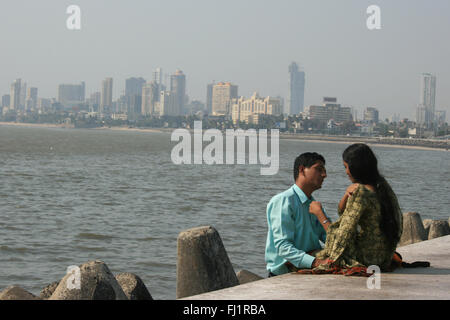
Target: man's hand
point(315, 208)
point(318, 262)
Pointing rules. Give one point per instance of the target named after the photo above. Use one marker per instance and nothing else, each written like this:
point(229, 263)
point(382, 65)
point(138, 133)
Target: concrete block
point(96, 283)
point(48, 290)
point(438, 228)
point(133, 286)
point(413, 229)
point(245, 276)
point(17, 293)
point(202, 264)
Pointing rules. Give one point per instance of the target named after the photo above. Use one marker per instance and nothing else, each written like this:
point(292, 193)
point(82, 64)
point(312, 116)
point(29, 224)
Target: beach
point(371, 141)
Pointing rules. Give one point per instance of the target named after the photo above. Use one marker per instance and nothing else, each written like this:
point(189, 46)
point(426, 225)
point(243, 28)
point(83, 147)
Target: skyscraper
point(209, 92)
point(222, 94)
point(32, 98)
point(150, 96)
point(106, 98)
point(6, 99)
point(71, 94)
point(296, 90)
point(168, 104)
point(133, 96)
point(427, 100)
point(133, 86)
point(15, 95)
point(178, 89)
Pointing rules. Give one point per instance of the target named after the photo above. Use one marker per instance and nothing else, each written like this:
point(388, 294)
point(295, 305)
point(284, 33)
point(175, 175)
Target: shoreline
point(285, 136)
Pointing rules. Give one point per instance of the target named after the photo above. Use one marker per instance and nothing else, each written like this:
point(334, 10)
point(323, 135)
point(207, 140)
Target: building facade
point(330, 109)
point(249, 110)
point(150, 97)
point(168, 104)
point(70, 95)
point(371, 115)
point(222, 94)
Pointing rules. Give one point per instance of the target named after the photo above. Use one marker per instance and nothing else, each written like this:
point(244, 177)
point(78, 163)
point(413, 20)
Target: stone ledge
point(419, 283)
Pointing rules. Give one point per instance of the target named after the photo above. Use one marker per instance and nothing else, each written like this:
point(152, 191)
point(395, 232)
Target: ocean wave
point(15, 250)
point(94, 236)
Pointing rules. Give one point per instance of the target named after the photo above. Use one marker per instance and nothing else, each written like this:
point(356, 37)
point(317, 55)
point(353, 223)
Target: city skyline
point(331, 42)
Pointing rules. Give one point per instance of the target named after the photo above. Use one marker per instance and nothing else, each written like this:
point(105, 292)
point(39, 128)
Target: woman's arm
point(348, 193)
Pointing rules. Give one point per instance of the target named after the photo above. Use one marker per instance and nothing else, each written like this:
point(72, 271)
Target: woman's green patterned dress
point(356, 239)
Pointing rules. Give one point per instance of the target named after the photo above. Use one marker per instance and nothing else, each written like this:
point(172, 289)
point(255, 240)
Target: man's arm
point(316, 209)
point(283, 230)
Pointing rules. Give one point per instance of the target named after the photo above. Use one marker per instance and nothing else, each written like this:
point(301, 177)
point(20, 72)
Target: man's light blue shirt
point(293, 231)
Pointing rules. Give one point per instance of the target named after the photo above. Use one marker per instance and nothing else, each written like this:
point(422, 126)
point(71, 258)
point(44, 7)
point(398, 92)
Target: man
point(296, 221)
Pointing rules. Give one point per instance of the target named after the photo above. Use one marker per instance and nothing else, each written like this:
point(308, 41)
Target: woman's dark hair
point(307, 160)
point(363, 166)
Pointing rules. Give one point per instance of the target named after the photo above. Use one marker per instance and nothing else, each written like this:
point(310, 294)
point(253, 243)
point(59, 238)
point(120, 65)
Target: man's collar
point(301, 194)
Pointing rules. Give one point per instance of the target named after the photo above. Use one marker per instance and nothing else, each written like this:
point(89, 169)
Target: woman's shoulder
point(364, 191)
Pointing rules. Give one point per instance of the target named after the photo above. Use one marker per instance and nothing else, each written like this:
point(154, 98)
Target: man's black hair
point(307, 160)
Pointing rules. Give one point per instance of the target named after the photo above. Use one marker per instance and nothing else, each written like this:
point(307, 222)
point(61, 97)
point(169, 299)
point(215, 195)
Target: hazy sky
point(248, 42)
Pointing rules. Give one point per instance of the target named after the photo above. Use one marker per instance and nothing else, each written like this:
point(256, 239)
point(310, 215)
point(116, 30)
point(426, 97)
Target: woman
point(370, 221)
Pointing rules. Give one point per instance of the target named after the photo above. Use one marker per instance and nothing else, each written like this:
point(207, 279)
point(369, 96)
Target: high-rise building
point(15, 95)
point(133, 86)
point(107, 95)
point(178, 89)
point(158, 76)
point(209, 92)
point(23, 95)
point(222, 94)
point(70, 95)
point(371, 115)
point(168, 104)
point(425, 113)
point(133, 96)
point(150, 96)
point(6, 99)
point(94, 101)
point(296, 90)
point(32, 97)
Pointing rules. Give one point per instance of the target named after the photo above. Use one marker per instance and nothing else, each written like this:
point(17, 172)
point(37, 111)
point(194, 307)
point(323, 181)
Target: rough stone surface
point(97, 283)
point(438, 228)
point(413, 229)
point(426, 225)
point(245, 276)
point(48, 290)
point(133, 286)
point(203, 264)
point(16, 293)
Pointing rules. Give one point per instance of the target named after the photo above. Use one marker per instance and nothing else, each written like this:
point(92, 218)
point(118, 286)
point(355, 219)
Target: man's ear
point(301, 169)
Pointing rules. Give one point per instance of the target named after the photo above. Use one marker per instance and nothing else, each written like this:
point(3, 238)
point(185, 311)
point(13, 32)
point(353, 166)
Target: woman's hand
point(351, 188)
point(349, 192)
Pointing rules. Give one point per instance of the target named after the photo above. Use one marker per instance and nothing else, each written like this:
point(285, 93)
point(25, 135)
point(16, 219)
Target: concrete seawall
point(402, 284)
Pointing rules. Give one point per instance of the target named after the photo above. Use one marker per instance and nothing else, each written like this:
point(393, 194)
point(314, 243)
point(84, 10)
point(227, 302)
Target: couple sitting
point(366, 233)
